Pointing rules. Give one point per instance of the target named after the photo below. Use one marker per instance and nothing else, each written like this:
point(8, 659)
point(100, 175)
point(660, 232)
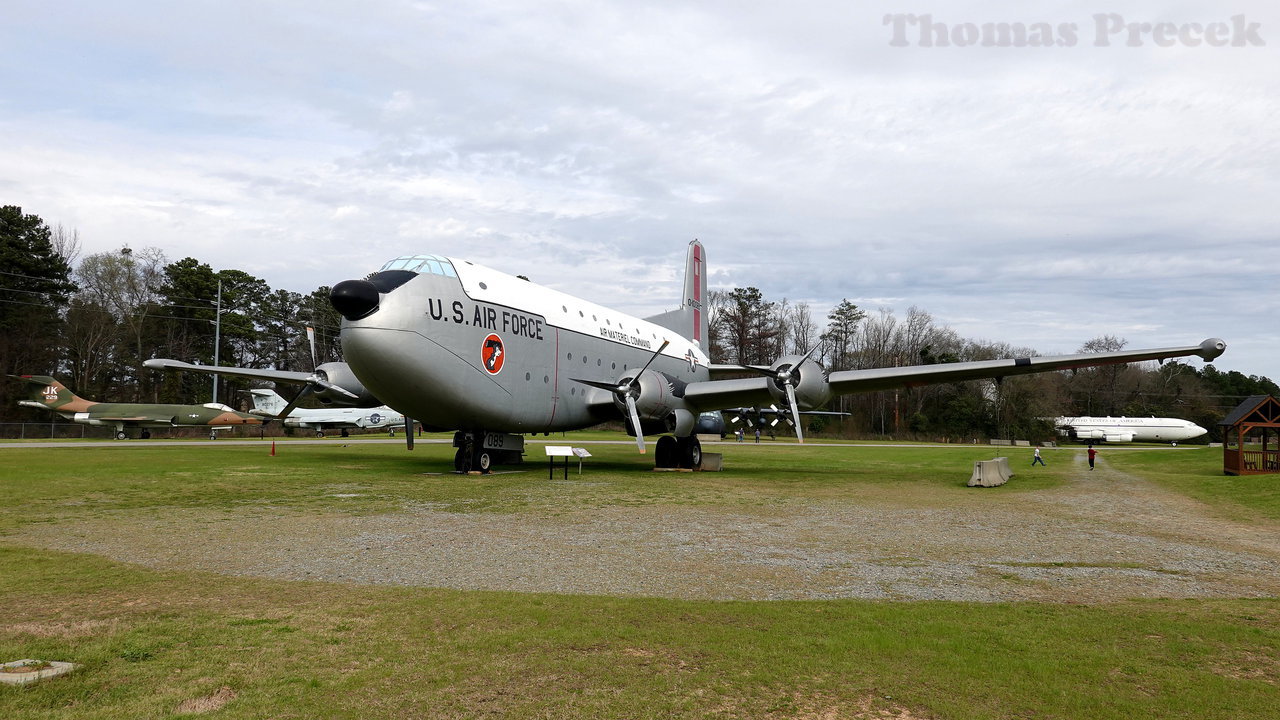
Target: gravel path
point(1103, 536)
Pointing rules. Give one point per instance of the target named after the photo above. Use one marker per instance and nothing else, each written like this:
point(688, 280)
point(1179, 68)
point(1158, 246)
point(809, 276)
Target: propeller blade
point(655, 355)
point(311, 337)
point(611, 387)
point(408, 433)
point(635, 423)
point(795, 411)
point(306, 390)
point(808, 354)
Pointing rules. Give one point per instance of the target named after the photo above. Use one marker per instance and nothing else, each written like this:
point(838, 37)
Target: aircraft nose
point(354, 299)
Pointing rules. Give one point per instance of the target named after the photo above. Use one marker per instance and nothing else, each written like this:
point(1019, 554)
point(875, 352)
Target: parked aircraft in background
point(47, 393)
point(459, 346)
point(1128, 429)
point(268, 404)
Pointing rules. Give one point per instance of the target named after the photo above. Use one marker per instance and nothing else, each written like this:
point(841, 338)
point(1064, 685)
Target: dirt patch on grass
point(1100, 537)
point(215, 700)
point(75, 629)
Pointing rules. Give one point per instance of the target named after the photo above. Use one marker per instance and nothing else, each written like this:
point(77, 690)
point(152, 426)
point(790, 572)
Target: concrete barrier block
point(712, 462)
point(1004, 467)
point(988, 473)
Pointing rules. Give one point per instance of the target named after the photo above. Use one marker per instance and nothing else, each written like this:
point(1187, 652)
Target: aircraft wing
point(285, 376)
point(719, 394)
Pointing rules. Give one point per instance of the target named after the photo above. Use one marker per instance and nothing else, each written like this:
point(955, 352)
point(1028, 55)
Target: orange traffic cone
point(273, 448)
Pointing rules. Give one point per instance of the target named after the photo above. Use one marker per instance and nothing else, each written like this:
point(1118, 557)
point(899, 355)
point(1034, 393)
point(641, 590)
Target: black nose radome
point(354, 299)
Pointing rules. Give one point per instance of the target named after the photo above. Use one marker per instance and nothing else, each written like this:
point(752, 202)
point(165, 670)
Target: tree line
point(92, 321)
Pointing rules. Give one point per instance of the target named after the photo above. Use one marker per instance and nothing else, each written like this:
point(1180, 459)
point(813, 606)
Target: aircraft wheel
point(213, 436)
point(345, 433)
point(120, 435)
point(483, 462)
point(461, 461)
point(690, 453)
point(146, 435)
point(667, 454)
point(319, 433)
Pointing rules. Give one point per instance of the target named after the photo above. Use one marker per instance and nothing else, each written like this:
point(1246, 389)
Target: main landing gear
point(479, 451)
point(678, 452)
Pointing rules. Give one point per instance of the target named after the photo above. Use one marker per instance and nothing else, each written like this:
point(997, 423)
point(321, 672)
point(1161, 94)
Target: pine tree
point(35, 285)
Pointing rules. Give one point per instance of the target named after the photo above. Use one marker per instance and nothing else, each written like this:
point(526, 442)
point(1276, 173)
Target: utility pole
point(217, 338)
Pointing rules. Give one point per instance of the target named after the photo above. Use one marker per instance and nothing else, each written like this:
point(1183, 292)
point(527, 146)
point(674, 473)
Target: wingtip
point(1211, 348)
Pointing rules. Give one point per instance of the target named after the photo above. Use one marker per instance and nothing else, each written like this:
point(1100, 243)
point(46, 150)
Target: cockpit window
point(388, 280)
point(428, 264)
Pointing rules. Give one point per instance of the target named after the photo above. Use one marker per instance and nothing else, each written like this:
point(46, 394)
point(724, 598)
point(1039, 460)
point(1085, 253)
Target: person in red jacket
point(1092, 454)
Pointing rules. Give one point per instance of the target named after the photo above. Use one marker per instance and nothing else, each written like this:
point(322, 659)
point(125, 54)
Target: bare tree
point(124, 284)
point(66, 243)
point(803, 329)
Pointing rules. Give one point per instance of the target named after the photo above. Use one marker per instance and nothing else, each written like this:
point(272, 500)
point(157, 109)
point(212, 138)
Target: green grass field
point(154, 643)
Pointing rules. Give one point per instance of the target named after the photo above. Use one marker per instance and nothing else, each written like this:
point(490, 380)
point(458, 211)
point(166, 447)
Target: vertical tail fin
point(267, 402)
point(44, 391)
point(691, 319)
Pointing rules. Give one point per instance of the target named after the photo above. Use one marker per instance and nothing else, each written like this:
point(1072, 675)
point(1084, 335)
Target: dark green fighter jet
point(45, 392)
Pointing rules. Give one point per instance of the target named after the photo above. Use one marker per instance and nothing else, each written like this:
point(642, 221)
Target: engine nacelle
point(1118, 436)
point(340, 374)
point(681, 422)
point(808, 378)
point(653, 396)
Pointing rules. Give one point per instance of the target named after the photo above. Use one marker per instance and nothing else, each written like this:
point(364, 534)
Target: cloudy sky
point(1123, 181)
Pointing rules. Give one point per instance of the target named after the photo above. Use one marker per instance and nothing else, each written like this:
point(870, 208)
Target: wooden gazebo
point(1251, 437)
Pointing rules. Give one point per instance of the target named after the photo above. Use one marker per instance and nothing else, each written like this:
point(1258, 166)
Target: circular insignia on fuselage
point(493, 354)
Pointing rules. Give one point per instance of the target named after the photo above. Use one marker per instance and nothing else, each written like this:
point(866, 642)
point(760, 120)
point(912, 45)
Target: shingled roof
point(1267, 411)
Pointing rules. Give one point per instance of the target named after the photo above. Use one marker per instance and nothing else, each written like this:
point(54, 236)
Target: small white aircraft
point(269, 404)
point(459, 346)
point(1128, 429)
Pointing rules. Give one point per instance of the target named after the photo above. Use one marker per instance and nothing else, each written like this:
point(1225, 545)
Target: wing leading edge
point(285, 376)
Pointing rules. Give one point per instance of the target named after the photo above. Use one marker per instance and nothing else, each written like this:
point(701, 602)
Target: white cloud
point(1037, 196)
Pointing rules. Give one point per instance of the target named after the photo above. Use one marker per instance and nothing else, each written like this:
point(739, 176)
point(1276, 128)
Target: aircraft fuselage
point(462, 346)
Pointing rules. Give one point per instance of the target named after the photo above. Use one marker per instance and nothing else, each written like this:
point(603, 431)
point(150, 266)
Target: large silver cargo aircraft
point(459, 346)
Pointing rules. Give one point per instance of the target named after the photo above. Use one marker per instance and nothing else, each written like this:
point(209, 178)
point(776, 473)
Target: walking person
point(757, 436)
point(1092, 454)
point(1037, 458)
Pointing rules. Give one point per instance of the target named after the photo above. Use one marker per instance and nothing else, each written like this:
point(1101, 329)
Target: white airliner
point(463, 347)
point(268, 403)
point(1128, 429)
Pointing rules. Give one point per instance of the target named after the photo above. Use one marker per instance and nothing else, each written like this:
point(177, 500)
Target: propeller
point(787, 379)
point(315, 381)
point(408, 433)
point(627, 391)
